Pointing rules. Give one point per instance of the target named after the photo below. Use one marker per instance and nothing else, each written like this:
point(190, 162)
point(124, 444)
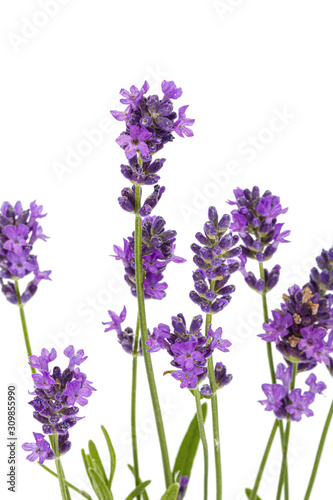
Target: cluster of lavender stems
point(301, 329)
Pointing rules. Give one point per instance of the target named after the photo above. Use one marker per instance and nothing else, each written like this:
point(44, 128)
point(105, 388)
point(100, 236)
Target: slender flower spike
point(255, 220)
point(56, 394)
point(321, 277)
point(158, 247)
point(19, 230)
point(190, 350)
point(150, 123)
point(214, 258)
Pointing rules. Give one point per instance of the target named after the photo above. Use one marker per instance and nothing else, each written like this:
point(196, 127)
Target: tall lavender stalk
point(215, 260)
point(255, 220)
point(150, 122)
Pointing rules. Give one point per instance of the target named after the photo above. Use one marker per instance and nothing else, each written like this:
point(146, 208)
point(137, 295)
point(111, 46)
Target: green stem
point(60, 472)
point(286, 441)
point(202, 434)
point(215, 418)
point(133, 408)
point(70, 485)
point(23, 321)
point(272, 372)
point(319, 452)
point(265, 308)
point(263, 461)
point(144, 338)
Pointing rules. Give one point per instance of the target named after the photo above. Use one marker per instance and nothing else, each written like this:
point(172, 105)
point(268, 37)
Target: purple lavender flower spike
point(41, 449)
point(19, 230)
point(55, 394)
point(215, 263)
point(158, 247)
point(255, 220)
point(150, 123)
point(300, 404)
point(321, 277)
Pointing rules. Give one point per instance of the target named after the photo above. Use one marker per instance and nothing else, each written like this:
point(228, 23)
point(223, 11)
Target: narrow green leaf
point(188, 447)
point(144, 493)
point(101, 489)
point(248, 494)
point(171, 493)
point(112, 455)
point(86, 465)
point(97, 461)
point(137, 490)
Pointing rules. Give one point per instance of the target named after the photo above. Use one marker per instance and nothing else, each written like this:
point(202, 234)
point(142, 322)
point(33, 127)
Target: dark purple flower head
point(214, 258)
point(300, 327)
point(255, 220)
point(40, 449)
point(158, 247)
point(19, 230)
point(183, 482)
point(150, 124)
point(56, 394)
point(190, 349)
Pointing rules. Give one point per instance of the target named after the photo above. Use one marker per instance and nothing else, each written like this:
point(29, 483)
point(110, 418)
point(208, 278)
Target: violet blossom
point(255, 220)
point(19, 230)
point(214, 258)
point(158, 247)
point(56, 396)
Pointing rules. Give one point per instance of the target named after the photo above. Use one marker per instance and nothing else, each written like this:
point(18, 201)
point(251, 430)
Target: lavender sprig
point(150, 123)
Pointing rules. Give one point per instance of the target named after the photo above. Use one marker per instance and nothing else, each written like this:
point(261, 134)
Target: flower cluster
point(19, 230)
point(284, 402)
point(255, 220)
point(56, 394)
point(126, 336)
point(321, 280)
point(158, 246)
point(300, 328)
point(150, 124)
point(215, 260)
point(190, 350)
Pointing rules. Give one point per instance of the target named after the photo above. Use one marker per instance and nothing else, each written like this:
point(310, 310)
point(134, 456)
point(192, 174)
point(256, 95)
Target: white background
point(240, 63)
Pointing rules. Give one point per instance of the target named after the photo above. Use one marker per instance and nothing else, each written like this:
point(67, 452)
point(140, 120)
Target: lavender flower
point(19, 230)
point(215, 260)
point(41, 449)
point(292, 404)
point(150, 123)
point(300, 328)
point(158, 246)
point(255, 220)
point(56, 394)
point(126, 336)
point(190, 350)
point(321, 280)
